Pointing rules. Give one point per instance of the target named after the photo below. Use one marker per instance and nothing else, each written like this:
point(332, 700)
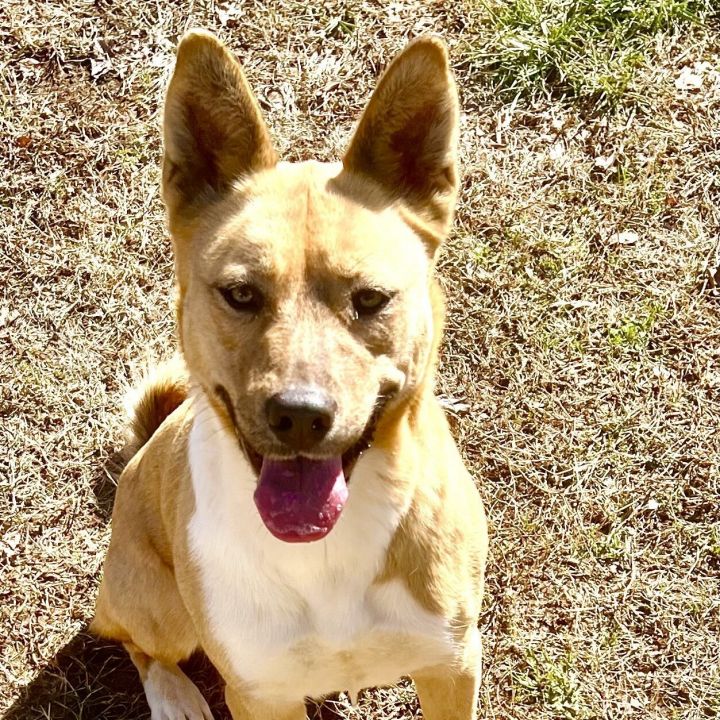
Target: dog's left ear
point(407, 137)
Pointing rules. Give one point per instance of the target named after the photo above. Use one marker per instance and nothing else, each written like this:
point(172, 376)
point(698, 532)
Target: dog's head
point(307, 305)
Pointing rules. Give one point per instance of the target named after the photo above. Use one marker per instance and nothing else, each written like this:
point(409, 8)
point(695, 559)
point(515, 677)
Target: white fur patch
point(171, 695)
point(303, 619)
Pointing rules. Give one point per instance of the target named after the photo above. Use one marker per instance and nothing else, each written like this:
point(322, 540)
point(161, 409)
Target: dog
point(294, 505)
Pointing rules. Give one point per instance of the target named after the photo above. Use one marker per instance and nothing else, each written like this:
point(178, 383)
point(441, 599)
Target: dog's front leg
point(245, 707)
point(169, 692)
point(448, 696)
point(450, 693)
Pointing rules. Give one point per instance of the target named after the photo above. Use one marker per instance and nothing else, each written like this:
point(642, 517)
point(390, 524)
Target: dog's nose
point(301, 416)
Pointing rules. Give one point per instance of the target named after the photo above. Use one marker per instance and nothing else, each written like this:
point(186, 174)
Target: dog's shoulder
point(439, 549)
point(154, 486)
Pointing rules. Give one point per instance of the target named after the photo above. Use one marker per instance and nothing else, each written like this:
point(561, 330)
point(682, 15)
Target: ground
point(581, 366)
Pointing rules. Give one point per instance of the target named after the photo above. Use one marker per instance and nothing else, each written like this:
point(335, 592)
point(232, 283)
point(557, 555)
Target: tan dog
point(296, 506)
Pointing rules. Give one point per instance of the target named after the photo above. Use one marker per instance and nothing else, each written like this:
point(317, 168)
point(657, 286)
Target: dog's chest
point(288, 642)
point(303, 619)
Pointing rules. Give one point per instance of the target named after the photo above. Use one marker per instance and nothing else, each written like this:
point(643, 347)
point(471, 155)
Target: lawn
point(581, 366)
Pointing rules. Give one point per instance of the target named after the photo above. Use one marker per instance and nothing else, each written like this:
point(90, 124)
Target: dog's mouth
point(300, 498)
point(348, 459)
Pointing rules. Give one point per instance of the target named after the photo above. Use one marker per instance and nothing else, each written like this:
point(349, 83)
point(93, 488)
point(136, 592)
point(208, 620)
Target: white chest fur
point(302, 619)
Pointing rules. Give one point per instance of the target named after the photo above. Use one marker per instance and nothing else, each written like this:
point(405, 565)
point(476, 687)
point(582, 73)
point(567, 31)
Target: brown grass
point(581, 366)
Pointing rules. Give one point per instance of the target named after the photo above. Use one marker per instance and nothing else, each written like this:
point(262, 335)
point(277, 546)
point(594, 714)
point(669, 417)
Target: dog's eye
point(243, 297)
point(369, 302)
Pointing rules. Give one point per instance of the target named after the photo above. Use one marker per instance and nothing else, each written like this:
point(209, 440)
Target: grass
point(587, 50)
point(551, 683)
point(634, 332)
point(580, 367)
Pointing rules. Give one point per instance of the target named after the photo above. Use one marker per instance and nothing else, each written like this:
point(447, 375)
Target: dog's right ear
point(213, 130)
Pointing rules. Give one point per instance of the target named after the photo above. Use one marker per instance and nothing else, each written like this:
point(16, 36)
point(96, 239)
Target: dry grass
point(581, 367)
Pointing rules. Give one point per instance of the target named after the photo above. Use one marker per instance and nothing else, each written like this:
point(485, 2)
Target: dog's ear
point(406, 140)
point(213, 130)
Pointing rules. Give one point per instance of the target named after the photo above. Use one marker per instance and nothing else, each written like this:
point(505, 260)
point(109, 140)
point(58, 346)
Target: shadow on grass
point(104, 485)
point(91, 679)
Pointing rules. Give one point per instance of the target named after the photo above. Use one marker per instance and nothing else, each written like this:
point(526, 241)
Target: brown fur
point(165, 390)
point(308, 236)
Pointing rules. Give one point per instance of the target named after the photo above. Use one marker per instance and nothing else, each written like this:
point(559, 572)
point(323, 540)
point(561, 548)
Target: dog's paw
point(171, 695)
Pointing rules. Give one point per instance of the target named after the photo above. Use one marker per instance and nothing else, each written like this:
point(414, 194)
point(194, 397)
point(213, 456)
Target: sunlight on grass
point(581, 49)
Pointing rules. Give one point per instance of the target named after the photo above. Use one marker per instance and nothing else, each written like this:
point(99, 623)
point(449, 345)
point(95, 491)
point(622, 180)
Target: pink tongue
point(300, 500)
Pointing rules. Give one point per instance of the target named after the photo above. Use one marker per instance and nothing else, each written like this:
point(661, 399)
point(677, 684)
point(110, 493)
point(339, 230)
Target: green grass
point(634, 332)
point(552, 682)
point(585, 50)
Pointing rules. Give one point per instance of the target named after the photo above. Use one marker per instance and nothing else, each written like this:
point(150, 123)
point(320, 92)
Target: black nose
point(301, 416)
